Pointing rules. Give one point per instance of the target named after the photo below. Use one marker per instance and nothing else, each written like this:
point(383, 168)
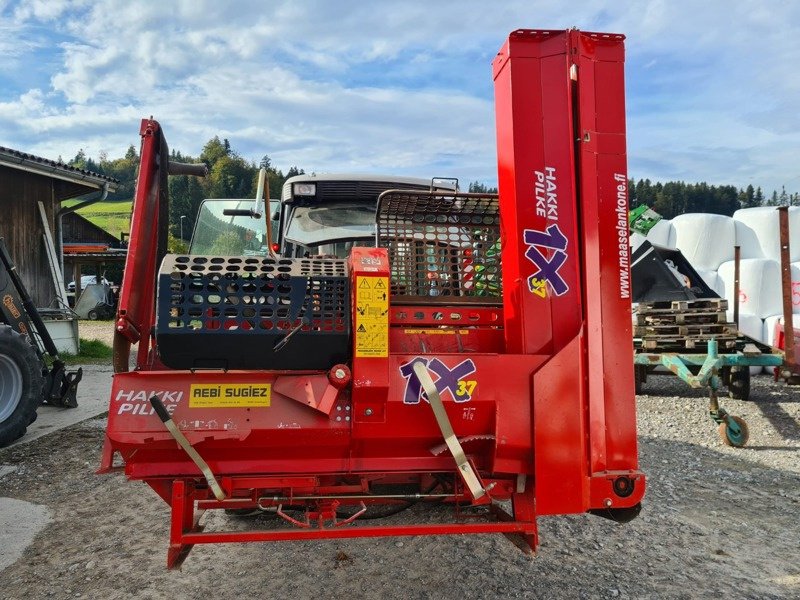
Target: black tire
point(639, 377)
point(93, 315)
point(20, 385)
point(739, 383)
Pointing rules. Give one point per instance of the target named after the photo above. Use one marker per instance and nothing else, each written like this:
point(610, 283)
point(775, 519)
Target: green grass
point(113, 216)
point(92, 351)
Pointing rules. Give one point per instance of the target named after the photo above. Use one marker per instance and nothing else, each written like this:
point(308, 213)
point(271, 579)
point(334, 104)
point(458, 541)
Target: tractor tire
point(21, 384)
point(739, 383)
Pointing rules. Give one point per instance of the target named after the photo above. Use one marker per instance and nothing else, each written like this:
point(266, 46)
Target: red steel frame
point(543, 425)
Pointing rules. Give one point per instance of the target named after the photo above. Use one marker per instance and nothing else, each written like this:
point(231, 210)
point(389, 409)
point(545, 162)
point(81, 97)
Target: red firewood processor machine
point(477, 358)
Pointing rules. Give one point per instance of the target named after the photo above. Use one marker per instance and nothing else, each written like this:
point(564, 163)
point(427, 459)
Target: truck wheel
point(20, 385)
point(93, 315)
point(739, 383)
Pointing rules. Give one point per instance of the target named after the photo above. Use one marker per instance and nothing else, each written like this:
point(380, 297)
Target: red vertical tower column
point(599, 60)
point(535, 158)
point(562, 176)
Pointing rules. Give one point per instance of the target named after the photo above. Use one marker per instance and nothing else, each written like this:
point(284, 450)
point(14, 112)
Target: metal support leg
point(523, 507)
point(184, 520)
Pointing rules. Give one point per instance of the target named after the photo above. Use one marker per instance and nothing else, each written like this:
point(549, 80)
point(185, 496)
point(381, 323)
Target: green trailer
point(714, 371)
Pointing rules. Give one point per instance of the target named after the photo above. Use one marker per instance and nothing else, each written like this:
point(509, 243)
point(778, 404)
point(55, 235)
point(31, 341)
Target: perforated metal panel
point(443, 249)
point(229, 312)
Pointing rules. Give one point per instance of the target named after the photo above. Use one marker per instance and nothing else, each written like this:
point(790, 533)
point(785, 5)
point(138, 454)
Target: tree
point(265, 163)
point(213, 151)
point(783, 199)
point(231, 177)
point(477, 187)
point(294, 171)
point(773, 200)
point(749, 198)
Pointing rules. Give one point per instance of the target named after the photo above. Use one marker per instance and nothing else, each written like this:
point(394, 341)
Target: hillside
point(112, 215)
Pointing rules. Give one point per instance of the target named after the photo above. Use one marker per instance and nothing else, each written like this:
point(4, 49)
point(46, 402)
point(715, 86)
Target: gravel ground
point(97, 330)
point(717, 523)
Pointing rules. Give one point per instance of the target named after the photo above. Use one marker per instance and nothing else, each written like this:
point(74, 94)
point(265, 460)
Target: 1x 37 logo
point(547, 270)
point(449, 380)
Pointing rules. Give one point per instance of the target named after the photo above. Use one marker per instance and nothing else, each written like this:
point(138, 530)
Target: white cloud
point(711, 90)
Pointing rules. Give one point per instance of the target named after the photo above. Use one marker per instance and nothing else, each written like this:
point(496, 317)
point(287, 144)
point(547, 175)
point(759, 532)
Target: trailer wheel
point(739, 383)
point(93, 315)
point(731, 437)
point(20, 385)
point(639, 377)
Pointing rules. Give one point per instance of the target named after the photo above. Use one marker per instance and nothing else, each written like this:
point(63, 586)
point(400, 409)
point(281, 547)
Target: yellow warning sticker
point(226, 395)
point(372, 317)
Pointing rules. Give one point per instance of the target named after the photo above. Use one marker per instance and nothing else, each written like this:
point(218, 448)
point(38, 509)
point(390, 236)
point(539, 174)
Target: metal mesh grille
point(240, 294)
point(442, 248)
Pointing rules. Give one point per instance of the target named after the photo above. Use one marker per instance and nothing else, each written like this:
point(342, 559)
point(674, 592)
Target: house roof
point(76, 182)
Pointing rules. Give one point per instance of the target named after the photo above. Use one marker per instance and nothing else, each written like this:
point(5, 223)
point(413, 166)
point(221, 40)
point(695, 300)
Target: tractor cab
point(329, 215)
point(223, 228)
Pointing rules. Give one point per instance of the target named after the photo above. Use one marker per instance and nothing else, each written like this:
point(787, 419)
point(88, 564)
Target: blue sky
point(393, 87)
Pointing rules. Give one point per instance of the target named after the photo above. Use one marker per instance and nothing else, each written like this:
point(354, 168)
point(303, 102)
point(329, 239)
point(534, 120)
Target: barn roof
point(76, 182)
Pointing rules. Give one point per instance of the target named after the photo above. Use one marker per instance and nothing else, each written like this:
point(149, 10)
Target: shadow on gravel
point(715, 523)
point(786, 425)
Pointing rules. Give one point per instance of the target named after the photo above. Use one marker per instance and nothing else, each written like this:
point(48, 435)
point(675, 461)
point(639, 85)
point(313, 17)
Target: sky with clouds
point(393, 87)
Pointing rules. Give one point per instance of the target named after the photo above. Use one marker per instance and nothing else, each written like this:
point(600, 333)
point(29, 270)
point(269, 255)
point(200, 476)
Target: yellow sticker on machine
point(229, 395)
point(372, 317)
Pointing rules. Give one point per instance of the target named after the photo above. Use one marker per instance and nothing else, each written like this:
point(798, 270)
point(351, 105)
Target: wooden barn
point(90, 250)
point(31, 192)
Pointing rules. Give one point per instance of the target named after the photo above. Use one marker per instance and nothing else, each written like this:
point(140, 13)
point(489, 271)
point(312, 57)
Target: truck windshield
point(218, 234)
point(335, 221)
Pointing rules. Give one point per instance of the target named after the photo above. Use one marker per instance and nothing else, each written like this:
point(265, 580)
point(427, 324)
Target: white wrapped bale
point(759, 286)
point(763, 220)
point(747, 240)
point(795, 289)
point(751, 326)
point(769, 328)
point(662, 234)
point(711, 278)
point(705, 240)
point(636, 241)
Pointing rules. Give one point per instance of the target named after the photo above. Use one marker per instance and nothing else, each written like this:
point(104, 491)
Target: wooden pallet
point(692, 330)
point(692, 318)
point(683, 306)
point(680, 325)
point(678, 344)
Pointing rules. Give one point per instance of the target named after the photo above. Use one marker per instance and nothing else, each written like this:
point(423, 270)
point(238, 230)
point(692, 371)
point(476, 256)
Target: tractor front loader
point(31, 371)
point(478, 357)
